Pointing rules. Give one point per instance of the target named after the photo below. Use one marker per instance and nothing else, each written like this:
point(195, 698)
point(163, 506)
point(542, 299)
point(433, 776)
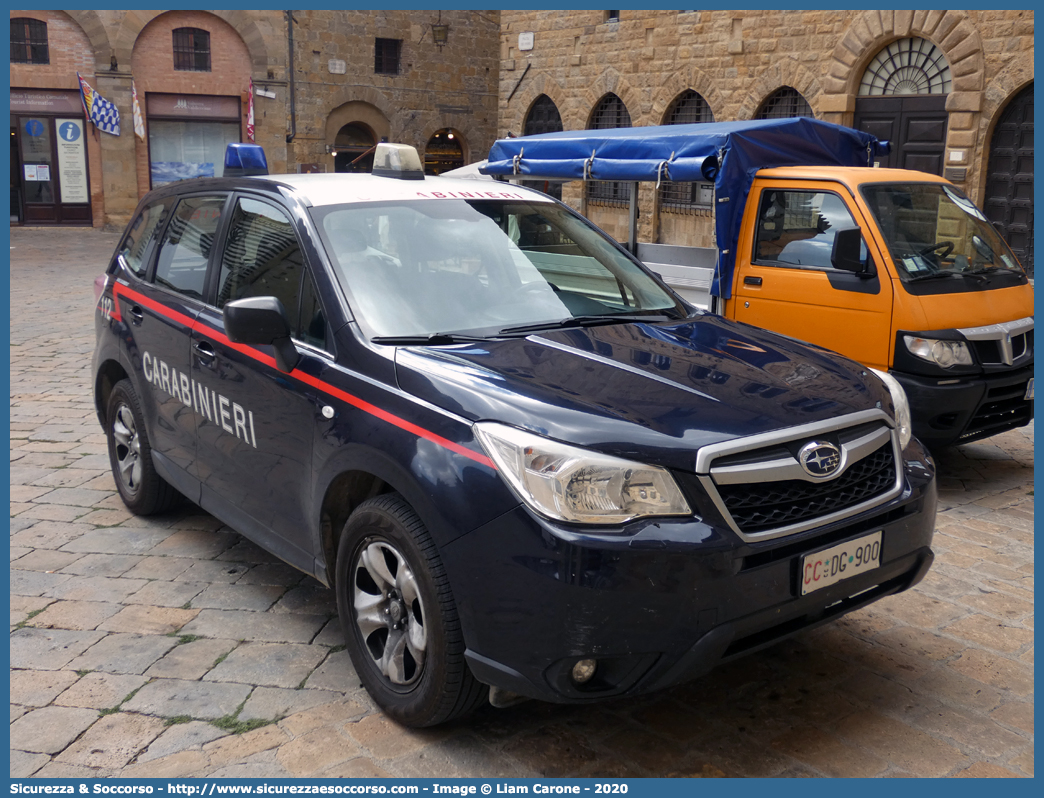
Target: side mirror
point(262, 320)
point(845, 253)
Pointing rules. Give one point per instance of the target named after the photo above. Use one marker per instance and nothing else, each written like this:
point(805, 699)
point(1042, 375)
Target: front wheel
point(400, 624)
point(143, 490)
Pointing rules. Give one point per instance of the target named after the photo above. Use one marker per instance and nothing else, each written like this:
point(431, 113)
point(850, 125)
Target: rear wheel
point(400, 623)
point(143, 490)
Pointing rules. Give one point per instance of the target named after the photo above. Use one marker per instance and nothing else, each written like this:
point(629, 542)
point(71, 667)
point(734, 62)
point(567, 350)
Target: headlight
point(567, 483)
point(903, 422)
point(942, 353)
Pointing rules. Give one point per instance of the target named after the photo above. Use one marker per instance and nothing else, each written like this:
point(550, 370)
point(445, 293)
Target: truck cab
point(918, 283)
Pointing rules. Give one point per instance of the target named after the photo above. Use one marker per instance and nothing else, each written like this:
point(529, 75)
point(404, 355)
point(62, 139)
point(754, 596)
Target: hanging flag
point(250, 111)
point(99, 110)
point(139, 121)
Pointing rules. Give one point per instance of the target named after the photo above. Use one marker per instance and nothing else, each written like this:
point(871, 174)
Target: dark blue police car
point(525, 467)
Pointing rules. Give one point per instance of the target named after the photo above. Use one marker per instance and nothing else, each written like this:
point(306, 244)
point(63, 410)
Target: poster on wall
point(72, 165)
point(164, 172)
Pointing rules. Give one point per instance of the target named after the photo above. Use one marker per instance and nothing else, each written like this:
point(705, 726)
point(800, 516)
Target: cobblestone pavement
point(173, 647)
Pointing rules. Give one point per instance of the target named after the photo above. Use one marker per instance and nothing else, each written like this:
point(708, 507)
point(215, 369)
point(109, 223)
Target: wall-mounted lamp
point(440, 32)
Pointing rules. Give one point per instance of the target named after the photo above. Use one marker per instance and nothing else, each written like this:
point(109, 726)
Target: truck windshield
point(938, 238)
point(481, 267)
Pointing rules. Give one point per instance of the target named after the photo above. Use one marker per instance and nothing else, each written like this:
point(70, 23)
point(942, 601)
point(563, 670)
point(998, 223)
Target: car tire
point(400, 623)
point(143, 490)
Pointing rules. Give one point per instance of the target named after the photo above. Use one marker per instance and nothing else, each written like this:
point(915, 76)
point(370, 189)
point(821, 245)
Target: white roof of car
point(337, 189)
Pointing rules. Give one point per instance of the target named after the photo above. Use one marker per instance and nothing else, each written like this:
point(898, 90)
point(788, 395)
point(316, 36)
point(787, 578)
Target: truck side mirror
point(262, 320)
point(845, 252)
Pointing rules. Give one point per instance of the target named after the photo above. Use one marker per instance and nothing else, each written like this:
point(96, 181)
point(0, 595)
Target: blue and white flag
point(99, 110)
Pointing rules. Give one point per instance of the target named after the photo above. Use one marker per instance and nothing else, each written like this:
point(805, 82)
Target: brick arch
point(362, 94)
point(788, 72)
point(356, 111)
point(542, 84)
point(582, 107)
point(680, 82)
point(98, 35)
point(951, 31)
point(1001, 90)
point(134, 22)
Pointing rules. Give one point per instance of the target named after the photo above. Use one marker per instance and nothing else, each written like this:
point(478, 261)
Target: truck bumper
point(945, 415)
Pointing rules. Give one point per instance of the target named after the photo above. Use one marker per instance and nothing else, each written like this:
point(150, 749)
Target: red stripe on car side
point(297, 374)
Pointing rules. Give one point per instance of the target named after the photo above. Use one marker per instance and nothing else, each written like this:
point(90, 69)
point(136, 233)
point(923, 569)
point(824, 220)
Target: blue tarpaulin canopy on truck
point(727, 153)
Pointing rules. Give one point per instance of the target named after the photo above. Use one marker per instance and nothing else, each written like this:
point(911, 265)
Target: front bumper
point(665, 603)
point(974, 408)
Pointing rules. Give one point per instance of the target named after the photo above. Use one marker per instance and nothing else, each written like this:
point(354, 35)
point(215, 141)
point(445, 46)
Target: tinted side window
point(262, 258)
point(796, 228)
point(139, 244)
point(185, 250)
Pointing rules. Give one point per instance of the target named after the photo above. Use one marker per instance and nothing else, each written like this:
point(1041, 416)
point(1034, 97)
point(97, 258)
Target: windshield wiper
point(933, 276)
point(591, 321)
point(429, 339)
point(991, 270)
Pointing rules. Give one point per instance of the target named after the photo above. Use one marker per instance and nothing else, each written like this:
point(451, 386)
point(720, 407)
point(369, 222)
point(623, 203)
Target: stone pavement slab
point(124, 653)
point(50, 729)
point(255, 626)
point(171, 698)
point(273, 703)
point(99, 690)
point(269, 664)
point(113, 741)
point(48, 649)
point(180, 737)
point(191, 660)
point(39, 688)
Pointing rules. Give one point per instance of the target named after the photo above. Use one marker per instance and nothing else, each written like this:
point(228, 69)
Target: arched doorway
point(609, 113)
point(1009, 177)
point(351, 149)
point(444, 152)
point(902, 99)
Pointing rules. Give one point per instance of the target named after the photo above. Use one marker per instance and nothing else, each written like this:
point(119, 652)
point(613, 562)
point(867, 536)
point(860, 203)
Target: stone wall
point(736, 59)
point(454, 86)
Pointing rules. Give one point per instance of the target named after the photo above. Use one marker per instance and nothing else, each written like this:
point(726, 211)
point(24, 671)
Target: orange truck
point(896, 269)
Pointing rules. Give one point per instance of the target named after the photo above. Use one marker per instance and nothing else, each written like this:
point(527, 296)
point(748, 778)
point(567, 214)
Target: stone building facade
point(191, 71)
point(978, 115)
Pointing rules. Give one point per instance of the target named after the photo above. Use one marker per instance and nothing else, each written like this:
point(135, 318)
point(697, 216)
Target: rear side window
point(139, 243)
point(796, 228)
point(187, 241)
point(262, 258)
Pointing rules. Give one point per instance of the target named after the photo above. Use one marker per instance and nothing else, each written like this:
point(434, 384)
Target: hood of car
point(656, 391)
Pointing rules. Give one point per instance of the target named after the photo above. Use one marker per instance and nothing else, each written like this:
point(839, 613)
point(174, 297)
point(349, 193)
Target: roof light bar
point(400, 161)
point(242, 160)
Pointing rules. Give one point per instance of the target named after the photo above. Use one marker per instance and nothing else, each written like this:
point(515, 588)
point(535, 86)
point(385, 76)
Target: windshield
point(934, 232)
point(431, 267)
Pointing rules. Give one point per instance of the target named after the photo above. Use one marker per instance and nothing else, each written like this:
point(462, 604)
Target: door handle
point(752, 281)
point(204, 351)
point(137, 317)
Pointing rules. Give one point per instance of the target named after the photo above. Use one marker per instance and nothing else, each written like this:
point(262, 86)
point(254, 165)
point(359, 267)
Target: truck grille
point(763, 490)
point(756, 508)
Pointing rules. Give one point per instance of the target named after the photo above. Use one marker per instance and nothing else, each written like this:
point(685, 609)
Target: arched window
point(907, 66)
point(784, 103)
point(543, 117)
point(687, 109)
point(609, 113)
point(191, 50)
point(29, 41)
point(444, 152)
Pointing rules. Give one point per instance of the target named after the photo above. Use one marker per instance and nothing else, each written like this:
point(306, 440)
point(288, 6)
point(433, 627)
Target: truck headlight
point(946, 354)
point(903, 421)
point(568, 483)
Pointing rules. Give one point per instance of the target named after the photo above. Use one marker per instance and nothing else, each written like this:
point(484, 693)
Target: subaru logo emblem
point(820, 459)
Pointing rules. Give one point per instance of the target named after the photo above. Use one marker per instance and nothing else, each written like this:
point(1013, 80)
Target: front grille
point(756, 507)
